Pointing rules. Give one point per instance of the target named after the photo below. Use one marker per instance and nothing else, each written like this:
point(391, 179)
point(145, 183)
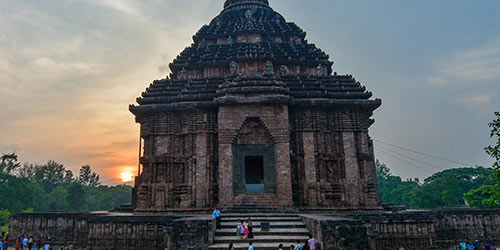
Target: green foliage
point(494, 150)
point(4, 217)
point(4, 228)
point(443, 189)
point(488, 195)
point(88, 178)
point(52, 187)
point(9, 163)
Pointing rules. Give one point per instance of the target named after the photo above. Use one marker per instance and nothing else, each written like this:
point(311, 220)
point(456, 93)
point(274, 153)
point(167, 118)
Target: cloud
point(119, 5)
point(478, 99)
point(471, 67)
point(65, 67)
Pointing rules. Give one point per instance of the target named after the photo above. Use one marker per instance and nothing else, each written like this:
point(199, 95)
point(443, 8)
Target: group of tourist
point(311, 244)
point(475, 246)
point(4, 241)
point(244, 229)
point(25, 243)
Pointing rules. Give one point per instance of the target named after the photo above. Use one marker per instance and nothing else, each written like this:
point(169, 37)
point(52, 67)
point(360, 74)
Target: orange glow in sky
point(126, 175)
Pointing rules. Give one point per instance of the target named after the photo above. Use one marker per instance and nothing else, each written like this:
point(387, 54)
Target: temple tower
point(253, 113)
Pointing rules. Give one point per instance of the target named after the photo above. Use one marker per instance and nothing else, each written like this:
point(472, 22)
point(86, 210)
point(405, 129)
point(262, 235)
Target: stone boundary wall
point(98, 231)
point(416, 230)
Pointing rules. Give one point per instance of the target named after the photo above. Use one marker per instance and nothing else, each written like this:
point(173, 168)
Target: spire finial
point(230, 3)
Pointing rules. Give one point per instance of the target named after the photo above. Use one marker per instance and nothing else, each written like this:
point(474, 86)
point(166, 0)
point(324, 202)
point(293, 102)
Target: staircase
point(285, 229)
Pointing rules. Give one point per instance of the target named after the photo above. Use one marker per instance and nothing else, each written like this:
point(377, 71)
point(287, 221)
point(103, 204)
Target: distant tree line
point(51, 187)
point(477, 187)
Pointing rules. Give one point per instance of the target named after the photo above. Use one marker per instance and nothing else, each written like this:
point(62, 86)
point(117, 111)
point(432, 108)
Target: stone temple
point(252, 113)
point(253, 120)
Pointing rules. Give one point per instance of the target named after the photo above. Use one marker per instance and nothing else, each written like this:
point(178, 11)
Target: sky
point(70, 68)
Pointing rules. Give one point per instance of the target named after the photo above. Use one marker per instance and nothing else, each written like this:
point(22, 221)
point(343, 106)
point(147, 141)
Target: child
point(242, 233)
point(246, 230)
point(238, 230)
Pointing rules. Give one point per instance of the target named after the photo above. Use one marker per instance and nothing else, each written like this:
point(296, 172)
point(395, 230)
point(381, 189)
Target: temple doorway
point(254, 174)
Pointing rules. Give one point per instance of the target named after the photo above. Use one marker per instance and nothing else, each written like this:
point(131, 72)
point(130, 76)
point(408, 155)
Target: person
point(280, 247)
point(238, 230)
point(245, 226)
point(30, 243)
point(470, 246)
point(250, 247)
point(306, 246)
point(242, 233)
point(250, 228)
point(312, 242)
point(487, 246)
point(1, 243)
point(401, 248)
point(38, 243)
point(462, 246)
point(216, 215)
point(298, 246)
point(7, 241)
point(477, 245)
point(46, 247)
point(292, 247)
point(18, 244)
point(25, 243)
point(230, 247)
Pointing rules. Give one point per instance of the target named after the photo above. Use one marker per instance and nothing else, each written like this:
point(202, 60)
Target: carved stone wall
point(109, 231)
point(179, 163)
point(254, 125)
point(332, 158)
point(420, 230)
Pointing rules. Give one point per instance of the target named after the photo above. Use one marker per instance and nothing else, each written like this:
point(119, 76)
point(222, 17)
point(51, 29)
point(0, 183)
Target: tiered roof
point(217, 45)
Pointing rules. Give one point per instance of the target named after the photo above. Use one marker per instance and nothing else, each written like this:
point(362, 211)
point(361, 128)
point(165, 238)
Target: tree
point(494, 151)
point(88, 178)
point(56, 199)
point(9, 163)
point(490, 192)
point(76, 197)
point(392, 189)
point(4, 217)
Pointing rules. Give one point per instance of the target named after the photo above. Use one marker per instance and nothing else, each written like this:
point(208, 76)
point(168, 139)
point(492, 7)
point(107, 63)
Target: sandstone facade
point(254, 112)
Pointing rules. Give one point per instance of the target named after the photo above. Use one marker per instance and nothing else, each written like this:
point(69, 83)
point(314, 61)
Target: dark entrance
point(253, 169)
point(254, 174)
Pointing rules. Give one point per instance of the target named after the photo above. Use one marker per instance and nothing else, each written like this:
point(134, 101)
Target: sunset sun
point(126, 176)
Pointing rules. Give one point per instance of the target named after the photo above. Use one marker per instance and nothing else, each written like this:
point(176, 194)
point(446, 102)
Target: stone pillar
point(310, 169)
point(201, 180)
point(225, 174)
point(352, 182)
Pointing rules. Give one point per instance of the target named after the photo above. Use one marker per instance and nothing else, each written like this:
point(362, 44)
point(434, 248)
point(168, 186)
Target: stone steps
point(265, 219)
point(276, 231)
point(285, 228)
point(257, 246)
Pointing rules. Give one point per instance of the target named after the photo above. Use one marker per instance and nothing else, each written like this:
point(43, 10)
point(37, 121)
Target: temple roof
point(246, 33)
point(232, 3)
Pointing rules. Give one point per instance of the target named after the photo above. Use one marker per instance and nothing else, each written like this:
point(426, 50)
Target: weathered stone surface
point(117, 231)
point(251, 80)
point(420, 230)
